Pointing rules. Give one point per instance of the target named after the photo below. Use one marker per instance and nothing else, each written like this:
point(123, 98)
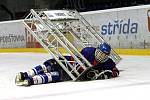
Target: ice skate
point(23, 83)
point(19, 78)
point(20, 82)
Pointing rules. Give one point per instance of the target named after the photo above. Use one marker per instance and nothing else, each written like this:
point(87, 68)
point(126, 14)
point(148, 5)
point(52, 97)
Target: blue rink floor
point(133, 83)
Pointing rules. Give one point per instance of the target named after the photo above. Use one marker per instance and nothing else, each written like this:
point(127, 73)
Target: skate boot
point(25, 82)
point(20, 77)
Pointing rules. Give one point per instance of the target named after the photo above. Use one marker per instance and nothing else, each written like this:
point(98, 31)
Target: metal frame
point(46, 28)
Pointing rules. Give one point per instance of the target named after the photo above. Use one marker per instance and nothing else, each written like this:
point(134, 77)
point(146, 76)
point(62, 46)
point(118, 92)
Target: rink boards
point(127, 28)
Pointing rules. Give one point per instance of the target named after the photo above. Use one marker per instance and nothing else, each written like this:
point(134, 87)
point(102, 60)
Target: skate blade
point(24, 83)
point(19, 83)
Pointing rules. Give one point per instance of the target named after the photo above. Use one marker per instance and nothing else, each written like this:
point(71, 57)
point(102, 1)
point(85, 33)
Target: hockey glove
point(92, 74)
point(106, 74)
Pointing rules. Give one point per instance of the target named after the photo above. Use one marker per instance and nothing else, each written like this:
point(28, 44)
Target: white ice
point(133, 83)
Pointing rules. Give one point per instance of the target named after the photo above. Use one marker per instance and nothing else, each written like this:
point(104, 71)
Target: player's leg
point(21, 76)
point(42, 79)
point(48, 66)
point(51, 65)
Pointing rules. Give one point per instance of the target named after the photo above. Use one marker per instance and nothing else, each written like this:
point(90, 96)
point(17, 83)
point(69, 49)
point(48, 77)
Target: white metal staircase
point(50, 27)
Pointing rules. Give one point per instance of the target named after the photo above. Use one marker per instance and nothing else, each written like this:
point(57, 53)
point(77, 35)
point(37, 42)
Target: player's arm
point(107, 70)
point(113, 68)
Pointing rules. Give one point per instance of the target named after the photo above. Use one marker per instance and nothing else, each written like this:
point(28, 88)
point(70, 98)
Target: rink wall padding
point(35, 50)
point(142, 52)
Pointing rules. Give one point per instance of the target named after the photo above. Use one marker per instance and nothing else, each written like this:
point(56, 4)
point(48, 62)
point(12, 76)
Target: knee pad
point(51, 65)
point(37, 70)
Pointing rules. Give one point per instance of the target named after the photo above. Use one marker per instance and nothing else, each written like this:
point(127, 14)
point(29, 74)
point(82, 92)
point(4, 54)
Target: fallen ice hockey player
point(50, 71)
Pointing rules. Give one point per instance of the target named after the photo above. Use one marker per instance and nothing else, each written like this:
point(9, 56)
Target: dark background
point(18, 9)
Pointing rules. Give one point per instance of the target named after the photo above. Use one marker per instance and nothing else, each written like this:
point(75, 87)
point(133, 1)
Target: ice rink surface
point(133, 83)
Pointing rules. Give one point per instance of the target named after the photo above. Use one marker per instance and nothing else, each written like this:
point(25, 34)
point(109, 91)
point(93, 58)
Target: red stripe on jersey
point(94, 62)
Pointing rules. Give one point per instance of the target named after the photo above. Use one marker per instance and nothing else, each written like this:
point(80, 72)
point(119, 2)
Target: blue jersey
point(89, 54)
point(109, 64)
